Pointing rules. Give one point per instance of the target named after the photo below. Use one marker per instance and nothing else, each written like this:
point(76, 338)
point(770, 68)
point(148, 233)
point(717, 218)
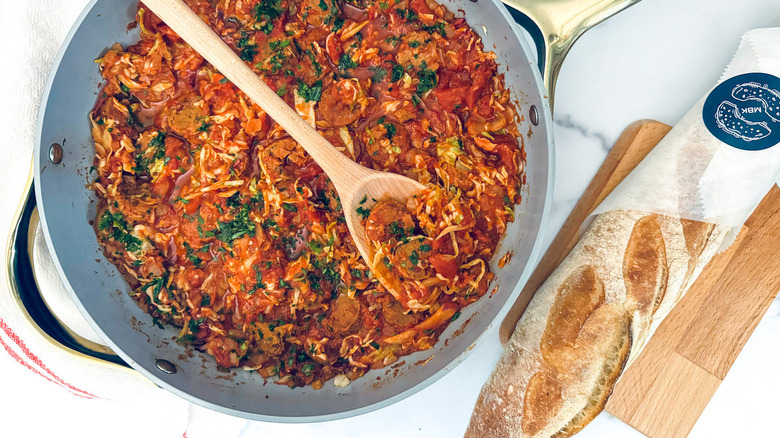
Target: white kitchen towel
point(124, 402)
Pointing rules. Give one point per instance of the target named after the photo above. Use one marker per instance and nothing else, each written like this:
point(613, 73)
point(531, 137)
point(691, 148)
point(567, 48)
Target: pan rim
point(547, 127)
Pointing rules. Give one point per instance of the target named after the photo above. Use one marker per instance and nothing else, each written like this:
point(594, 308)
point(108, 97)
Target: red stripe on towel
point(16, 357)
point(37, 361)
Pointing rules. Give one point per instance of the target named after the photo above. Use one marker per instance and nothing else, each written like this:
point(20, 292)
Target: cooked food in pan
point(224, 226)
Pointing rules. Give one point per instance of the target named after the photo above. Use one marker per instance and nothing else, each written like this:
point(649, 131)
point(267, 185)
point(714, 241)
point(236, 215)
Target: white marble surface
point(651, 61)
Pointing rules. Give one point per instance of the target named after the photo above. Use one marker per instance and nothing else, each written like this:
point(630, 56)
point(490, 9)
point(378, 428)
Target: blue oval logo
point(744, 111)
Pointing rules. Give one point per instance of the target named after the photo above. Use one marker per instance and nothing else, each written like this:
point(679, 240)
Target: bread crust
point(588, 322)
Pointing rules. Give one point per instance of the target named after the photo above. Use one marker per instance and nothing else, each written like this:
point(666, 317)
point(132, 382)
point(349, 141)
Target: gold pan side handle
point(558, 25)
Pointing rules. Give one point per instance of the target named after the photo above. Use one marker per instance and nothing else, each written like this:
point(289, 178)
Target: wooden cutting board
point(666, 389)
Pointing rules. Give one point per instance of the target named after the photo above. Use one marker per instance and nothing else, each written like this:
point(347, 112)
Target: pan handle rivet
point(533, 114)
point(165, 366)
point(55, 153)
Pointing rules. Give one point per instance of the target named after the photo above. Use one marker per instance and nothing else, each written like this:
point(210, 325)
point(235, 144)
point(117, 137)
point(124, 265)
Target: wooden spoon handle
point(340, 169)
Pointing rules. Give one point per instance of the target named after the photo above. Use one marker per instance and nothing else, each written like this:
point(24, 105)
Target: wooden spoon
point(354, 183)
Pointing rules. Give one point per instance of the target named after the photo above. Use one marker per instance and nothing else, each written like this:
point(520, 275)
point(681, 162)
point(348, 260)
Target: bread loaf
point(589, 320)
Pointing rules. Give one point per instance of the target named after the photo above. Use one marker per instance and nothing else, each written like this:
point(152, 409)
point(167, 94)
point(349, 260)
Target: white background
point(651, 61)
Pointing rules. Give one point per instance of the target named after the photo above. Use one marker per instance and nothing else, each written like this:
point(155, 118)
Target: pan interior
point(67, 207)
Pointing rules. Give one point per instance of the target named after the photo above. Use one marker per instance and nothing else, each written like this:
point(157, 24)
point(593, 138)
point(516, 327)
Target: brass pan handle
point(559, 23)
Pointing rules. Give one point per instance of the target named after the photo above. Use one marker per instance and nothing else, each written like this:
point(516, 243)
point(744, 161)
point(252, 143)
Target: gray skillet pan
point(67, 207)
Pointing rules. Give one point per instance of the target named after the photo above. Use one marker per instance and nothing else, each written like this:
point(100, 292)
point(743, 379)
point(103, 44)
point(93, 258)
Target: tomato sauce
point(224, 227)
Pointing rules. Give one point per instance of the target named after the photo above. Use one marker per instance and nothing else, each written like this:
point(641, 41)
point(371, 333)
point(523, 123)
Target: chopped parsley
point(158, 140)
point(234, 201)
point(277, 60)
point(267, 27)
point(281, 91)
point(156, 284)
point(191, 255)
point(329, 271)
point(247, 51)
point(379, 74)
point(258, 281)
point(346, 63)
point(270, 223)
point(239, 226)
point(438, 27)
point(392, 40)
point(315, 246)
point(278, 45)
point(204, 126)
point(414, 44)
point(194, 324)
point(310, 93)
point(313, 59)
point(337, 24)
point(132, 119)
point(390, 130)
point(267, 10)
point(397, 72)
point(427, 78)
point(120, 231)
point(314, 281)
point(398, 230)
point(363, 212)
point(290, 207)
point(257, 200)
point(155, 151)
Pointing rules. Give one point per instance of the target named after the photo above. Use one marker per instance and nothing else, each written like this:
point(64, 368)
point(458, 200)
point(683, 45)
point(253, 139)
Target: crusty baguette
point(589, 320)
